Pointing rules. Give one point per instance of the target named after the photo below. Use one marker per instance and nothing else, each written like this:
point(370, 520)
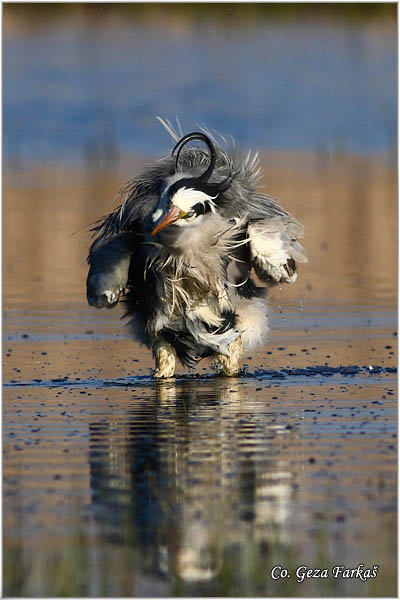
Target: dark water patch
point(326, 371)
point(292, 376)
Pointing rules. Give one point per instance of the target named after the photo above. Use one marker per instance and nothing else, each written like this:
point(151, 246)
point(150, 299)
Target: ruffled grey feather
point(190, 285)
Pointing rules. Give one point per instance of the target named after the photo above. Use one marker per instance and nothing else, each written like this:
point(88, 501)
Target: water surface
point(94, 82)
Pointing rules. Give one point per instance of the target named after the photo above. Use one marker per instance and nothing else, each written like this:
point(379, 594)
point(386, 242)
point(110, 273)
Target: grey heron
point(180, 251)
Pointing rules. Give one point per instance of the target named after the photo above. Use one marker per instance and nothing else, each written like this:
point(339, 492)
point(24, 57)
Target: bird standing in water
point(180, 251)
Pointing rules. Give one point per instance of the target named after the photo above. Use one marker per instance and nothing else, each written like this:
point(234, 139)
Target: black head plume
point(196, 135)
point(201, 182)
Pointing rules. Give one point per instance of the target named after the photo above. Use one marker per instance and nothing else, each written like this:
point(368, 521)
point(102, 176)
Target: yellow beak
point(171, 217)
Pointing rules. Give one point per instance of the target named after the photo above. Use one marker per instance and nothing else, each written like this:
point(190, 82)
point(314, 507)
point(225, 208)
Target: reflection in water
point(191, 479)
point(199, 486)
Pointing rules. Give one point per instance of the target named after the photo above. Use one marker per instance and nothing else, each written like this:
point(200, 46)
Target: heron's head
point(185, 200)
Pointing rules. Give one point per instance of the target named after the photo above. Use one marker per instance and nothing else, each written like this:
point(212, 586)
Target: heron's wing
point(271, 231)
point(109, 260)
point(119, 235)
point(274, 249)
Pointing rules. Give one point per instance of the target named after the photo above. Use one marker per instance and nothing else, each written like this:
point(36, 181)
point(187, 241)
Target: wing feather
point(109, 260)
point(274, 249)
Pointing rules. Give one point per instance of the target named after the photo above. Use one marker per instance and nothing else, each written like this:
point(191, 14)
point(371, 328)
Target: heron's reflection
point(190, 475)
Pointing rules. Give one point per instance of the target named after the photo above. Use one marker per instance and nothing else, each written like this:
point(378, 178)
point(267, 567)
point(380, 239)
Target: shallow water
point(199, 486)
point(118, 485)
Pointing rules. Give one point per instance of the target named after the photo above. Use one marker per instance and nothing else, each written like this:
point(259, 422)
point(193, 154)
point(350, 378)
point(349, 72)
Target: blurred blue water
point(75, 87)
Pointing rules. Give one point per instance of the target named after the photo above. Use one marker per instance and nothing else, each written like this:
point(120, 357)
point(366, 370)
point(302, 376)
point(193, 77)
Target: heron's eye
point(190, 214)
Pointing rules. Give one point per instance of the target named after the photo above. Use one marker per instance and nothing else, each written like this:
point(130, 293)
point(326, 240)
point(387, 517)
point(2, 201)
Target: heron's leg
point(230, 364)
point(165, 356)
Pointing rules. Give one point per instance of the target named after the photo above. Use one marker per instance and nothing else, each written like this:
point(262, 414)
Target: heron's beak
point(171, 217)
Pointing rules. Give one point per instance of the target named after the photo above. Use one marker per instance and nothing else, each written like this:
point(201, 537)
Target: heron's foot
point(163, 375)
point(165, 356)
point(230, 364)
point(227, 372)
